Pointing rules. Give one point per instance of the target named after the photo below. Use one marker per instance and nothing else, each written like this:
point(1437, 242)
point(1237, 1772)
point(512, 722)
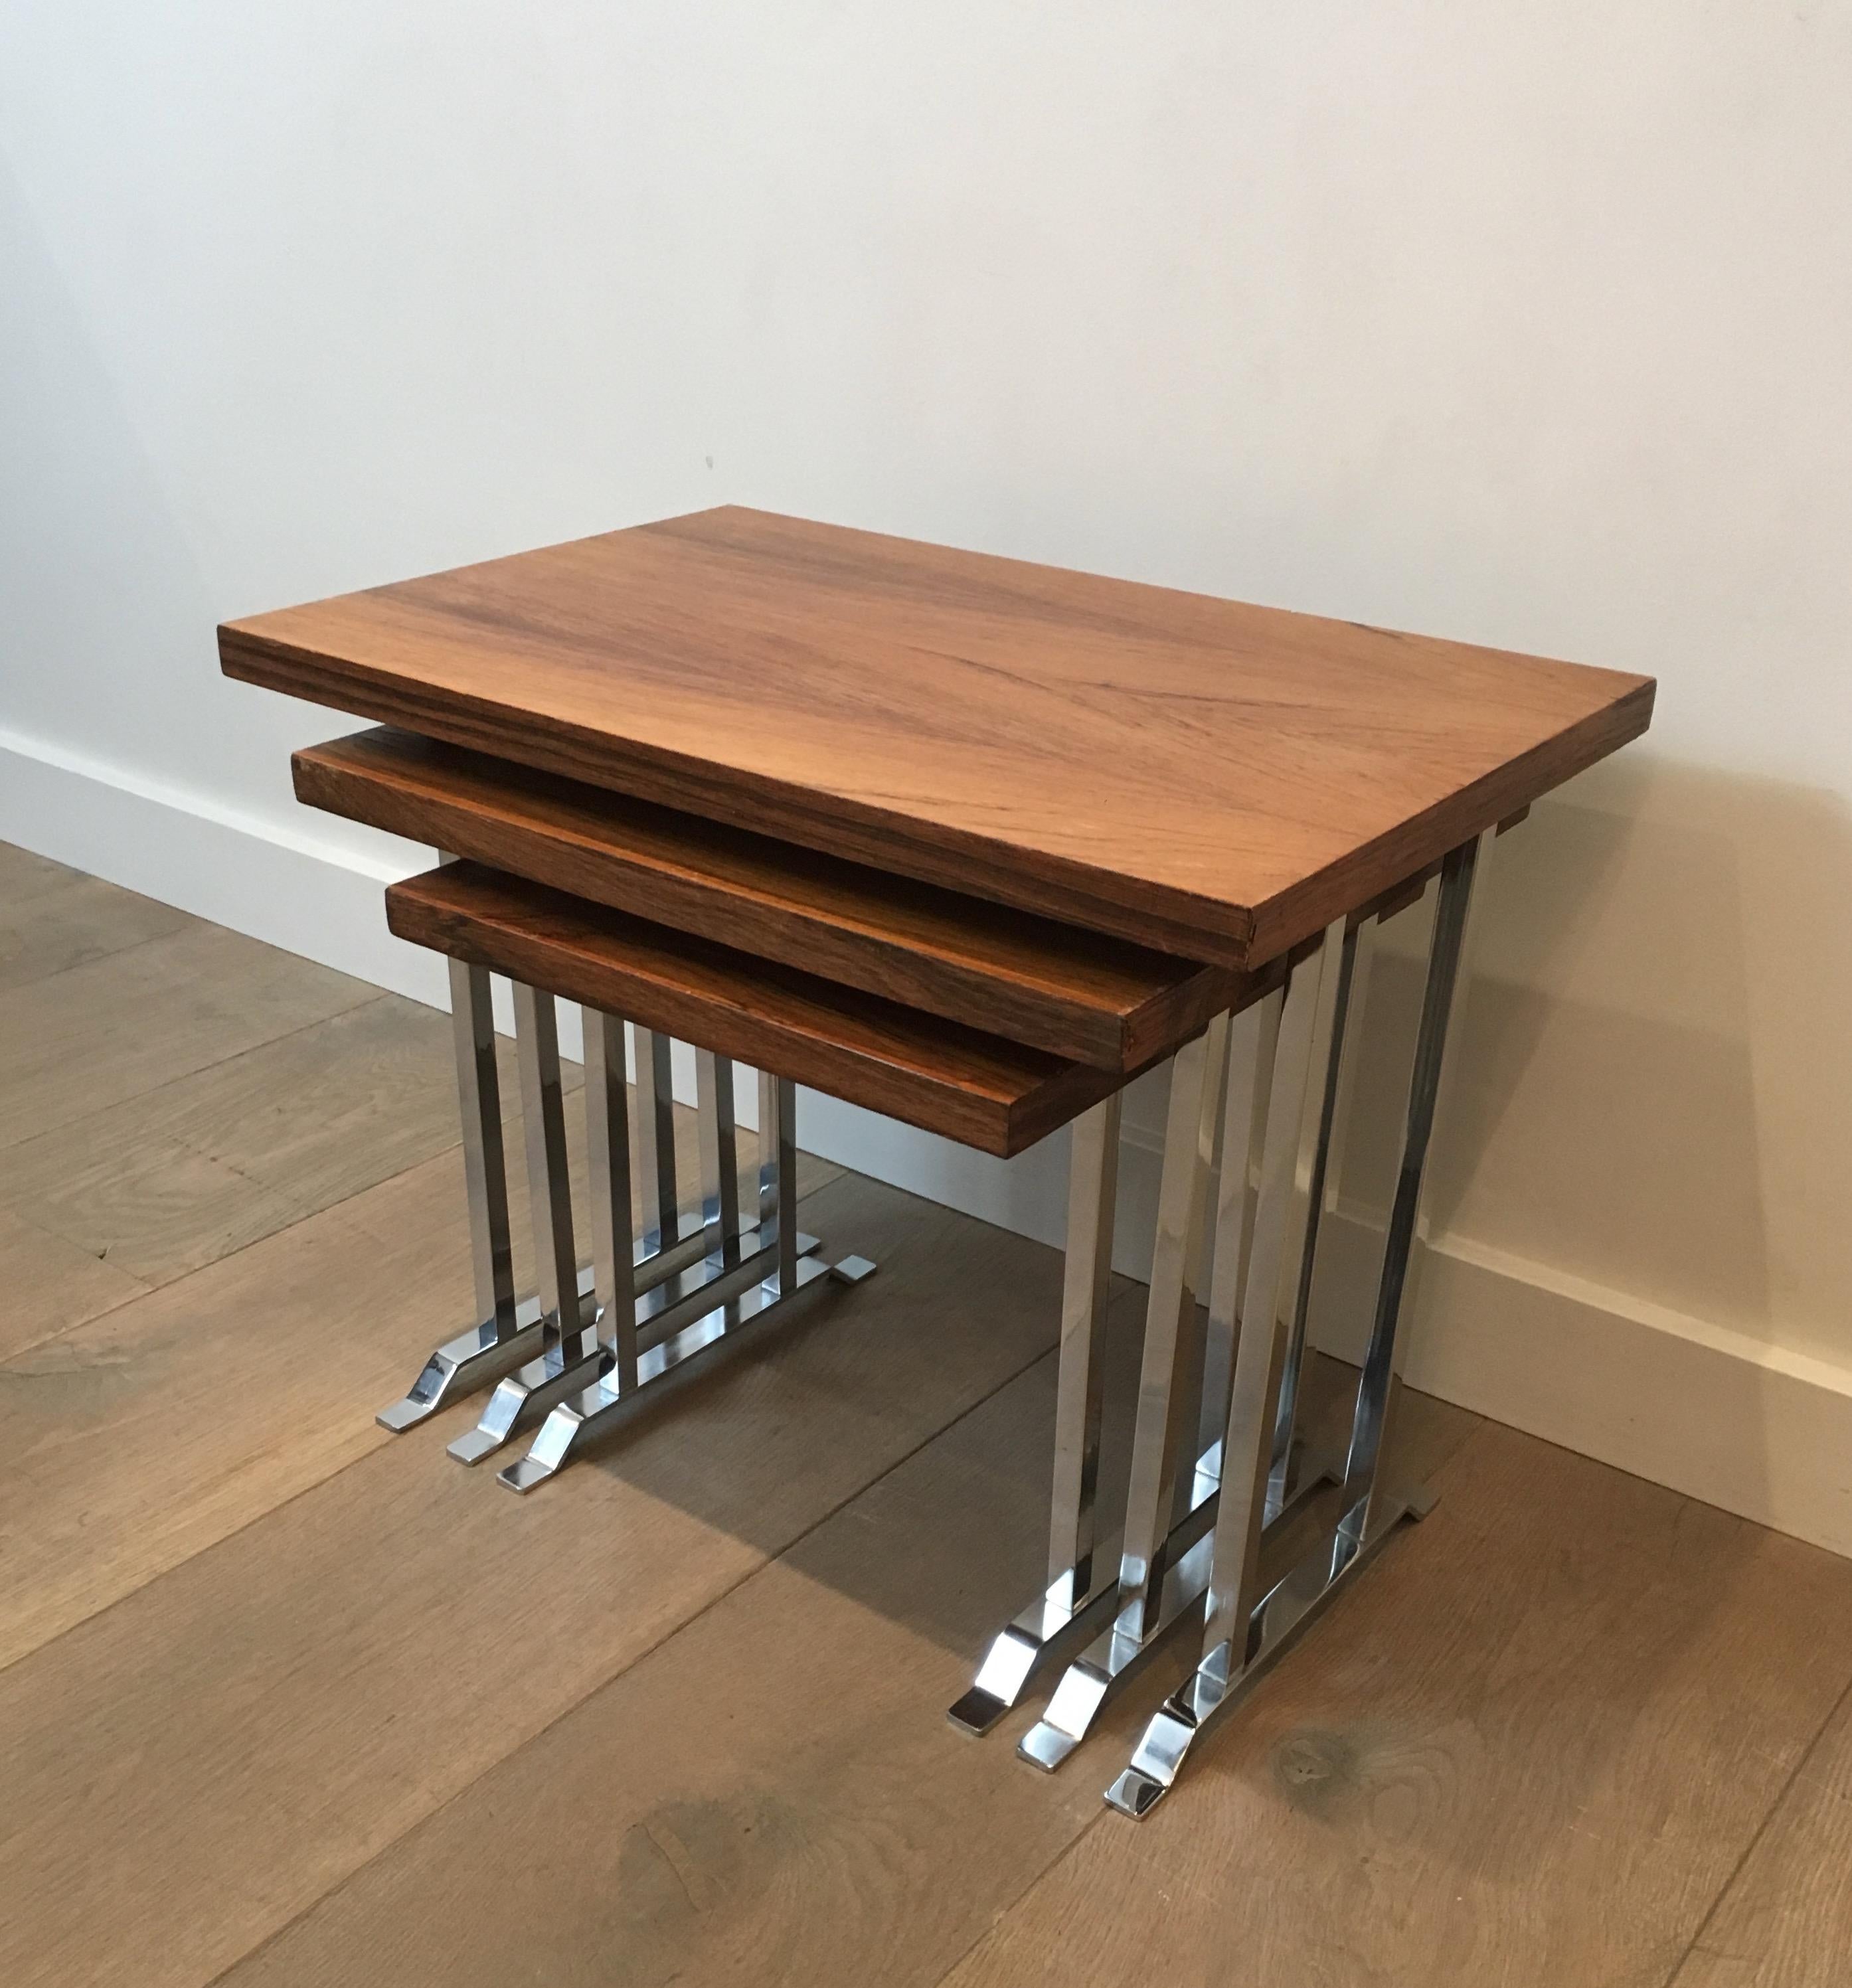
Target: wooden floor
point(285, 1700)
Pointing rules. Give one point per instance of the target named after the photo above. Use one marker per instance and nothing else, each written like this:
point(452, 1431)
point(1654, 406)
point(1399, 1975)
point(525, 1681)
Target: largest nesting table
point(973, 842)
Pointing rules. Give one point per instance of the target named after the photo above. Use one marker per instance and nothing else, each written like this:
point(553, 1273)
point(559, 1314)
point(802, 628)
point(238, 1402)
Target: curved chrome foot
point(472, 1361)
point(560, 1369)
point(1043, 1632)
point(1218, 1685)
point(576, 1422)
point(459, 1366)
point(1104, 1667)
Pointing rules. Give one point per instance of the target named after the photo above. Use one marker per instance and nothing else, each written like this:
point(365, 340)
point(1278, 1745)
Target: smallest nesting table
point(970, 843)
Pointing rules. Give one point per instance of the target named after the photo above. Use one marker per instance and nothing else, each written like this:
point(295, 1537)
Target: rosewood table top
point(1196, 775)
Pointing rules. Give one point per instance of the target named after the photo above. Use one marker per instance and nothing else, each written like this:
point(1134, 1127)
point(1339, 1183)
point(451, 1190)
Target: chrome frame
point(506, 1332)
point(746, 1278)
point(1079, 1586)
point(646, 1304)
point(1163, 1573)
point(1198, 1520)
point(1247, 1630)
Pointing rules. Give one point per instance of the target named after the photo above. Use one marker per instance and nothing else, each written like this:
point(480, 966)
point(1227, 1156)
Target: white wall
point(1524, 322)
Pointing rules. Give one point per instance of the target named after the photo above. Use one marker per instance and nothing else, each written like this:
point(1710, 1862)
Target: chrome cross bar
point(605, 1325)
point(750, 1275)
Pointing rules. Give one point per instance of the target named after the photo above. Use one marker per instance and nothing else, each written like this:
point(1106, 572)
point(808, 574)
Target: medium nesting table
point(971, 843)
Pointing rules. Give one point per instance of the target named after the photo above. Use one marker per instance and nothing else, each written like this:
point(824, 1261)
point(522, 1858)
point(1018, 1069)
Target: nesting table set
point(973, 843)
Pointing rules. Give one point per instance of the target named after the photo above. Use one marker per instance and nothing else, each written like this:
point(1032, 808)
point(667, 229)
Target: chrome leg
point(1154, 1584)
point(676, 1240)
point(1375, 1397)
point(570, 1352)
point(686, 1321)
point(1072, 1609)
point(608, 1142)
point(1080, 1585)
point(778, 1167)
point(1253, 1048)
point(656, 1141)
point(719, 1149)
point(1245, 1631)
point(1336, 960)
point(1160, 1432)
point(498, 1339)
point(1356, 1009)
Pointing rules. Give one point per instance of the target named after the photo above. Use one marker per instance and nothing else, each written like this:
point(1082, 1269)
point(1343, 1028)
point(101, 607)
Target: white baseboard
point(287, 886)
point(1757, 1429)
point(1760, 1430)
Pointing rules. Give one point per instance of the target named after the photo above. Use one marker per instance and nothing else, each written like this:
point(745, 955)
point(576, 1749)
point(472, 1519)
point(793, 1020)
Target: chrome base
point(668, 1297)
point(573, 1425)
point(1217, 1686)
point(646, 1307)
point(1216, 1468)
point(463, 1366)
point(1115, 1657)
point(1056, 1625)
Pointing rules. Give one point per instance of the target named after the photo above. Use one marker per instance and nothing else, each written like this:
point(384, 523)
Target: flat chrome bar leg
point(687, 1321)
point(1268, 1301)
point(614, 1244)
point(1246, 1631)
point(1153, 1583)
point(719, 1149)
point(1093, 1202)
point(570, 1353)
point(1337, 962)
point(1375, 1395)
point(1253, 1047)
point(778, 1168)
point(656, 1142)
point(1078, 1591)
point(498, 1339)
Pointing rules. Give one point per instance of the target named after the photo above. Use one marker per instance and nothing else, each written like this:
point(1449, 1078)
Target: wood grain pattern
point(87, 1038)
point(1078, 995)
point(1529, 1749)
point(997, 1096)
point(191, 1770)
point(184, 1175)
point(51, 929)
point(131, 1442)
point(1196, 775)
point(24, 874)
point(51, 1284)
point(1785, 1921)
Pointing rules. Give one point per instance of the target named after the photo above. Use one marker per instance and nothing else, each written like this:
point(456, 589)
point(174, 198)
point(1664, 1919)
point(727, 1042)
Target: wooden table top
point(1197, 775)
point(1083, 996)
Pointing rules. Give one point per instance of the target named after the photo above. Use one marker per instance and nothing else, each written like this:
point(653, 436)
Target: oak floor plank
point(48, 1285)
point(128, 1443)
point(1528, 1748)
point(184, 1174)
point(24, 873)
point(133, 1440)
point(50, 930)
point(190, 1769)
point(1785, 1921)
point(775, 1793)
point(98, 1034)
